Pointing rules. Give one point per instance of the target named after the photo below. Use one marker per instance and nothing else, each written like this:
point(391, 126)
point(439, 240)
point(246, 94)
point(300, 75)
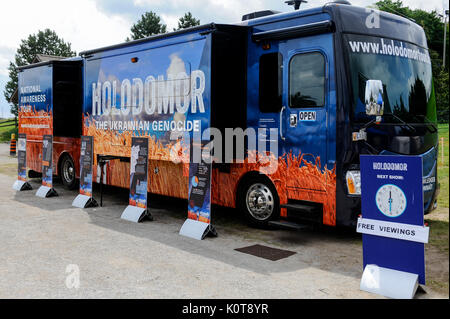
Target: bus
point(333, 82)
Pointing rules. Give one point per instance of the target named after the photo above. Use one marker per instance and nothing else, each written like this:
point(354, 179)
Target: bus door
point(304, 117)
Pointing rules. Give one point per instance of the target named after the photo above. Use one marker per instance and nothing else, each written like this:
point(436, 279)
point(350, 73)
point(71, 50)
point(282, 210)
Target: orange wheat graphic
point(165, 177)
point(294, 178)
point(302, 180)
point(34, 122)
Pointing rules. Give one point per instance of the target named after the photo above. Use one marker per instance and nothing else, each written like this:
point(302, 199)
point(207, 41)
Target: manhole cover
point(266, 252)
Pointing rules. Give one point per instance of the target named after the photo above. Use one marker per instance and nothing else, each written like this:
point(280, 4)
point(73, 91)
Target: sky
point(90, 24)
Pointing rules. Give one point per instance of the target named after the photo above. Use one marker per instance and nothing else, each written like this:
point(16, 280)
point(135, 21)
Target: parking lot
point(46, 243)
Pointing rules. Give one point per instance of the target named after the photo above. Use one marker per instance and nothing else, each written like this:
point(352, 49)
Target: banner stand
point(198, 224)
point(137, 210)
point(84, 198)
point(45, 191)
point(84, 201)
point(389, 282)
point(136, 214)
point(21, 186)
point(197, 230)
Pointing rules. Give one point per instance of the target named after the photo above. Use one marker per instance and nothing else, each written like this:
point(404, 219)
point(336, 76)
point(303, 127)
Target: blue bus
point(334, 82)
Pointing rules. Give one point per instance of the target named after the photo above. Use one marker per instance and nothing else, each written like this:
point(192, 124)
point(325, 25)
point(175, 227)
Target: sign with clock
point(392, 221)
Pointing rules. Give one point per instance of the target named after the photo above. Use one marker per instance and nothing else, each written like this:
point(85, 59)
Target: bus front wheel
point(259, 201)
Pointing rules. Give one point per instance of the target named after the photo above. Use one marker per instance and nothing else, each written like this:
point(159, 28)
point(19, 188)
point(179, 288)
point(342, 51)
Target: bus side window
point(270, 82)
point(307, 80)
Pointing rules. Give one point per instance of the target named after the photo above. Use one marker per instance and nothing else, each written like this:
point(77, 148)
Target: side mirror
point(374, 97)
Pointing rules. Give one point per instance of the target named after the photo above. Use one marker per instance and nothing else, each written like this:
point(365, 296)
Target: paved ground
point(45, 243)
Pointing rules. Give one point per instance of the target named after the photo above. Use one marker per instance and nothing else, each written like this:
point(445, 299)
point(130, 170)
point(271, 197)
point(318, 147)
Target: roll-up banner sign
point(198, 224)
point(85, 197)
point(21, 184)
point(47, 190)
point(137, 209)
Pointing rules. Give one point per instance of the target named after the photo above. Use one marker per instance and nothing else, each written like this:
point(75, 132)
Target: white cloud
point(78, 22)
point(90, 24)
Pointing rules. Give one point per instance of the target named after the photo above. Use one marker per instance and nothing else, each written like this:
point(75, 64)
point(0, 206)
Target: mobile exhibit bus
point(331, 86)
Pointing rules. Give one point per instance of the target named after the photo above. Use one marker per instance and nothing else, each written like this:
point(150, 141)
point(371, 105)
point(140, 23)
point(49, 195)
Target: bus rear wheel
point(259, 201)
point(67, 172)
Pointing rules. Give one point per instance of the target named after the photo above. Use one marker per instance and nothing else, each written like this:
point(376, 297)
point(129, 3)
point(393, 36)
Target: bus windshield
point(405, 72)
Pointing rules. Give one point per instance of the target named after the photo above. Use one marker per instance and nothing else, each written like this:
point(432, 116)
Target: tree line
point(48, 42)
point(433, 25)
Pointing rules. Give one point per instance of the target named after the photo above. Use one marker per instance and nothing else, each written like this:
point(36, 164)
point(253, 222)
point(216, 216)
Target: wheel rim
point(260, 202)
point(68, 171)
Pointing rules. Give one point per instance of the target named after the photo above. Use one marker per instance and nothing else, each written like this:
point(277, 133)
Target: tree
point(187, 21)
point(431, 22)
point(149, 24)
point(44, 42)
point(433, 26)
point(442, 98)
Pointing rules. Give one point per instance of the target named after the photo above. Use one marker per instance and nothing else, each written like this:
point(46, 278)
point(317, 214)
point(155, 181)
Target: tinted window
point(270, 82)
point(307, 80)
point(404, 69)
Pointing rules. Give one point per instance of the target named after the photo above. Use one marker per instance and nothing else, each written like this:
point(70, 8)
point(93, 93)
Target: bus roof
point(347, 18)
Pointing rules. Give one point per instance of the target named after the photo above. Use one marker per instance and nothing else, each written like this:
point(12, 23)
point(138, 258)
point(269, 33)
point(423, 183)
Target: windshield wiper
point(403, 122)
point(429, 123)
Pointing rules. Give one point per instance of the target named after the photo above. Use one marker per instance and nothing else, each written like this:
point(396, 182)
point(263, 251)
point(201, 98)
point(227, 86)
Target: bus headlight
point(353, 179)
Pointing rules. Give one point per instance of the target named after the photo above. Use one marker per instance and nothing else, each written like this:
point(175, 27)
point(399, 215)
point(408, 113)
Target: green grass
point(443, 166)
point(6, 131)
point(439, 234)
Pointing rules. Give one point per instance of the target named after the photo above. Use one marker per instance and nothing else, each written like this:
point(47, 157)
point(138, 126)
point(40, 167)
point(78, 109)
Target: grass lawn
point(443, 166)
point(6, 131)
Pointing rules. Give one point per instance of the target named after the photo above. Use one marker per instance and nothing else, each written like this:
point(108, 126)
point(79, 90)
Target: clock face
point(391, 200)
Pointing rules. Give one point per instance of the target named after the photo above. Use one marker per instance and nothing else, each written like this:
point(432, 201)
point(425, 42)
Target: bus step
point(300, 208)
point(287, 225)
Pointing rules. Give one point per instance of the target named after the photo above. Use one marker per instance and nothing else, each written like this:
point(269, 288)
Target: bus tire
point(67, 172)
point(258, 200)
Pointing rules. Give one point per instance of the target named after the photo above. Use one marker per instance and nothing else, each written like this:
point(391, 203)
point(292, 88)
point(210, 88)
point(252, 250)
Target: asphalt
point(50, 249)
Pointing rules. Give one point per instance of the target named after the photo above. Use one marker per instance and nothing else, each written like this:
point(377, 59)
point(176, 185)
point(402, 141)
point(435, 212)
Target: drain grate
point(266, 252)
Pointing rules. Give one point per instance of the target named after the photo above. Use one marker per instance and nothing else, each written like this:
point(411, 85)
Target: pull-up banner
point(21, 183)
point(85, 199)
point(137, 210)
point(47, 190)
point(199, 204)
point(198, 224)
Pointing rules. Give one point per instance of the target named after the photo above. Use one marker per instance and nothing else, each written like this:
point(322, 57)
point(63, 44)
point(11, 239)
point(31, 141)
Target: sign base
point(21, 186)
point(389, 283)
point(84, 201)
point(136, 214)
point(197, 230)
point(45, 191)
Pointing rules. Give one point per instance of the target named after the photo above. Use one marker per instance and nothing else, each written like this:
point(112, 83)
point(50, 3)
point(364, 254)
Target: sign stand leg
point(197, 229)
point(21, 186)
point(389, 282)
point(84, 201)
point(136, 214)
point(45, 191)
